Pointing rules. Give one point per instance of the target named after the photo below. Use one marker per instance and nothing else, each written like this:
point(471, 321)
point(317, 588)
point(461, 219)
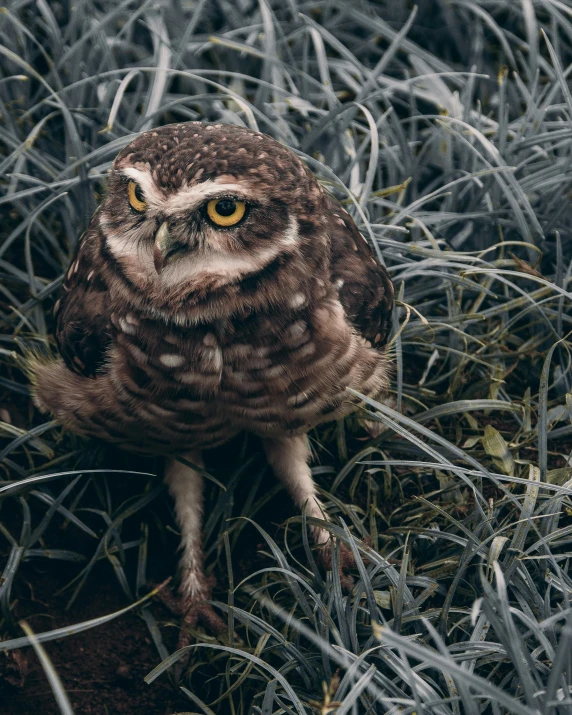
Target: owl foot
point(374, 429)
point(346, 563)
point(196, 612)
point(193, 611)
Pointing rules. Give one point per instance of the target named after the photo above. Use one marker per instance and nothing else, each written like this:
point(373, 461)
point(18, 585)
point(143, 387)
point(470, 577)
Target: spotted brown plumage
point(364, 287)
point(83, 331)
point(218, 289)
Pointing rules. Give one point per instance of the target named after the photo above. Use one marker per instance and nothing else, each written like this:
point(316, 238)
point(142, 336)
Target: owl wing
point(365, 288)
point(83, 328)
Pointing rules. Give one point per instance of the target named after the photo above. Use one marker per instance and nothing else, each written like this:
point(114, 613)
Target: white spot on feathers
point(297, 300)
point(272, 372)
point(137, 353)
point(210, 340)
point(172, 360)
point(131, 319)
point(305, 350)
point(296, 330)
point(126, 327)
point(213, 357)
point(191, 378)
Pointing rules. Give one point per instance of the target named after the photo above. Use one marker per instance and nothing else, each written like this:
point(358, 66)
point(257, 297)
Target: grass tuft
point(446, 130)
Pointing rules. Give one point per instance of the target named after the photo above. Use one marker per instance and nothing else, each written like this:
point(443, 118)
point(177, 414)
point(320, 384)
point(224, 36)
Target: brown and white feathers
point(218, 289)
point(177, 332)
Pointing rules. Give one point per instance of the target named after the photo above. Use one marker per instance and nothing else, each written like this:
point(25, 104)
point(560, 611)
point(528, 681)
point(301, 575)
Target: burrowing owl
point(218, 289)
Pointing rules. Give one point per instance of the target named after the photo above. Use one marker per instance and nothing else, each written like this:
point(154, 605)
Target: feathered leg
point(186, 487)
point(289, 458)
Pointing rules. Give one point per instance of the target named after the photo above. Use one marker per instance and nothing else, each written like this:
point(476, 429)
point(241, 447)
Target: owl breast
point(270, 374)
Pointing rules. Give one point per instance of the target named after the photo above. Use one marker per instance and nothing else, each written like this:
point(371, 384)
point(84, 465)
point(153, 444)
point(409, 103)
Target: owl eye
point(136, 197)
point(226, 212)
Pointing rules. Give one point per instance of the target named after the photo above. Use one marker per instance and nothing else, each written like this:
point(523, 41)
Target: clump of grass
point(446, 130)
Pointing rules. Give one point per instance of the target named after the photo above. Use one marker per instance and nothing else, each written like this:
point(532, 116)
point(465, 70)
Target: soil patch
point(102, 669)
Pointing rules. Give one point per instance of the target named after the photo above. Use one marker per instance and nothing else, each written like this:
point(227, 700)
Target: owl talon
point(170, 600)
point(192, 611)
point(346, 563)
point(375, 428)
point(197, 612)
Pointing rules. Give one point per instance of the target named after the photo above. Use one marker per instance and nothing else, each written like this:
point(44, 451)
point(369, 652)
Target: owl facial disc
point(199, 207)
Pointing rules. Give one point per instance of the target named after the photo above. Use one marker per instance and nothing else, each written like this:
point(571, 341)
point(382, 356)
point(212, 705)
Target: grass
point(446, 129)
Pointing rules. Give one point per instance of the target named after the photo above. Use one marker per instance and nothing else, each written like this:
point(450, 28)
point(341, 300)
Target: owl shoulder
point(364, 286)
point(83, 327)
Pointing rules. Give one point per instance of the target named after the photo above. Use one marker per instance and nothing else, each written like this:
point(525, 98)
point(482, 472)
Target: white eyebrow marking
point(153, 195)
point(188, 197)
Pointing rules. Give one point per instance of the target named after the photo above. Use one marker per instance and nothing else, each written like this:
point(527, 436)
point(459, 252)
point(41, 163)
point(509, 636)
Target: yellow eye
point(226, 212)
point(136, 197)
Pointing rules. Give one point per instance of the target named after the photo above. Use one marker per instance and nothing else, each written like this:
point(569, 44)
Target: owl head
point(198, 206)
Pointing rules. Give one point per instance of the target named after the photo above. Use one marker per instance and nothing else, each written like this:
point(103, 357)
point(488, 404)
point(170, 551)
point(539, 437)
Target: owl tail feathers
point(55, 389)
point(45, 374)
point(34, 362)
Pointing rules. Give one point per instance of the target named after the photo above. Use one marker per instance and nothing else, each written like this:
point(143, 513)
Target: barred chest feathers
point(275, 372)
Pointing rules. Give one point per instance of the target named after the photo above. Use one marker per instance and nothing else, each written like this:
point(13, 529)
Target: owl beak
point(165, 247)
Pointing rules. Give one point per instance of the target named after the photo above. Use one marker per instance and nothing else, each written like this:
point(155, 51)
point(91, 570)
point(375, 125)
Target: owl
point(218, 289)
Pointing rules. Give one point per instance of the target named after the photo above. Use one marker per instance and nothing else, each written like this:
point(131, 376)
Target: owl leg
point(289, 458)
point(186, 487)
